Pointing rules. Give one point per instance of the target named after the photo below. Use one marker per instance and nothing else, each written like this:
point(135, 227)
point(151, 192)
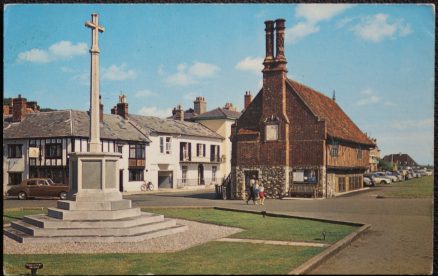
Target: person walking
point(256, 192)
point(251, 190)
point(262, 194)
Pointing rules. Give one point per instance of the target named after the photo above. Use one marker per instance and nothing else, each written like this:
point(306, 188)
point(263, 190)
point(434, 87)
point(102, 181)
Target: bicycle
point(147, 186)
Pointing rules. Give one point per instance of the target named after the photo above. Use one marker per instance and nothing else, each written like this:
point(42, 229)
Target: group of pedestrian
point(256, 192)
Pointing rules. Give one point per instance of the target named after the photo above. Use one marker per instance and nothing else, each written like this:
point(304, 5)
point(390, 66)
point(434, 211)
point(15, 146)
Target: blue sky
point(379, 59)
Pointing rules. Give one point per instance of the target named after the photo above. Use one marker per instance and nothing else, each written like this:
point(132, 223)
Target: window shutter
point(197, 149)
point(190, 151)
point(181, 151)
point(204, 149)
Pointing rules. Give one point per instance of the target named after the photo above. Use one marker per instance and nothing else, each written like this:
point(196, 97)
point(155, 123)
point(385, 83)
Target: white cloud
point(191, 96)
point(118, 73)
point(34, 55)
point(378, 27)
point(201, 69)
point(389, 103)
point(186, 75)
point(368, 97)
point(299, 31)
point(250, 64)
point(58, 51)
point(65, 49)
point(156, 112)
point(144, 93)
point(66, 69)
point(413, 124)
point(314, 13)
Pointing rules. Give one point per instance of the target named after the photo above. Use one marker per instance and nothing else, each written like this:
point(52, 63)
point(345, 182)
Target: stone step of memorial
point(92, 214)
point(77, 232)
point(45, 221)
point(103, 205)
point(26, 238)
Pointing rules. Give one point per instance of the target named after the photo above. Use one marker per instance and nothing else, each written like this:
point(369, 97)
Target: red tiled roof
point(339, 125)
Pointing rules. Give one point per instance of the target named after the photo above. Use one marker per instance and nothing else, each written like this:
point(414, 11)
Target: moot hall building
point(295, 140)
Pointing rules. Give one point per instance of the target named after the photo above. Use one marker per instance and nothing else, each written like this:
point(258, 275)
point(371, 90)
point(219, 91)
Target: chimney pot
point(122, 107)
point(178, 113)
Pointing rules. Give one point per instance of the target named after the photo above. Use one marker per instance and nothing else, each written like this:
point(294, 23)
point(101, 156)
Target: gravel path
point(197, 233)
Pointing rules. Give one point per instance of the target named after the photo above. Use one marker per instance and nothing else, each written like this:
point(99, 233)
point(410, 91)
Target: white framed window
point(200, 150)
point(213, 173)
point(168, 145)
point(359, 154)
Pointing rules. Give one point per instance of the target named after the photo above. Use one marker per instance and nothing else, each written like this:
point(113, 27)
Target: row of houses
point(170, 153)
point(294, 139)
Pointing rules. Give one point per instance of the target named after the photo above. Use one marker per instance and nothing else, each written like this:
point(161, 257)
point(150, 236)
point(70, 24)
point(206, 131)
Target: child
point(256, 192)
point(262, 195)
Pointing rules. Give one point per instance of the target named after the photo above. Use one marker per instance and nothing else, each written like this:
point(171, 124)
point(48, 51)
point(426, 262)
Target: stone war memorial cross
point(96, 210)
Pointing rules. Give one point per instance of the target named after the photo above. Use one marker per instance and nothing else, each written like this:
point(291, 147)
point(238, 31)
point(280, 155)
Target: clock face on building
point(271, 132)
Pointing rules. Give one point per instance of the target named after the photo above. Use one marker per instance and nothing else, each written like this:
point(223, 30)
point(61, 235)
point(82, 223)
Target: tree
point(384, 165)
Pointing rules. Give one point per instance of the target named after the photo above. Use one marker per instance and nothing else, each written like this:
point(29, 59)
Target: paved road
point(399, 241)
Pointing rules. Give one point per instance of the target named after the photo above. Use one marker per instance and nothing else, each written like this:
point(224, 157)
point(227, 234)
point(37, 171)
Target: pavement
point(400, 240)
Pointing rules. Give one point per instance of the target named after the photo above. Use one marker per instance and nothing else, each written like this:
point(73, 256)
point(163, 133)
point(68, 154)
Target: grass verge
point(413, 188)
point(263, 228)
point(210, 258)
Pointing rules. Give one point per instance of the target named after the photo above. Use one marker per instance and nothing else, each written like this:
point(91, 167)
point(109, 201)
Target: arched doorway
point(201, 180)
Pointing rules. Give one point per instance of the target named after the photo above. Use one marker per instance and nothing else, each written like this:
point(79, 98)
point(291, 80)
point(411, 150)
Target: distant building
point(401, 160)
point(374, 157)
point(219, 120)
point(295, 140)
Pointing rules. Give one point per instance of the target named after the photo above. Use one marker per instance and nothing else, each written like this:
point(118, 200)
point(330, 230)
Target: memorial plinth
point(95, 211)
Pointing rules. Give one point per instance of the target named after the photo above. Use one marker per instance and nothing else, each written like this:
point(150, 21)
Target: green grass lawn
point(264, 228)
point(210, 258)
point(413, 188)
point(10, 215)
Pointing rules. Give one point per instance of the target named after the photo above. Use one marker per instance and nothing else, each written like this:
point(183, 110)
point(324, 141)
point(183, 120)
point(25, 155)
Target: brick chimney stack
point(269, 58)
point(100, 109)
point(178, 113)
point(19, 109)
point(200, 105)
point(247, 99)
point(122, 107)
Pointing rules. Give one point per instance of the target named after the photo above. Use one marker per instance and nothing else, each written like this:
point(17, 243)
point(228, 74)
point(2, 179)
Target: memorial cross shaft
point(94, 143)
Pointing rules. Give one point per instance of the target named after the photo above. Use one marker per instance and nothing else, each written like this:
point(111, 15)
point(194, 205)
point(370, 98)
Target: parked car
point(368, 181)
point(393, 178)
point(429, 172)
point(381, 178)
point(38, 187)
point(396, 174)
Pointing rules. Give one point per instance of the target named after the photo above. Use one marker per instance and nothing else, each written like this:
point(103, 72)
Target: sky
point(379, 58)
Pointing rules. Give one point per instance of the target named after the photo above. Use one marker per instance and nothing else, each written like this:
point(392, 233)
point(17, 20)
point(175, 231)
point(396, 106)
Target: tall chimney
point(247, 99)
point(279, 27)
point(230, 106)
point(200, 105)
point(178, 113)
point(19, 109)
point(100, 109)
point(122, 107)
point(269, 58)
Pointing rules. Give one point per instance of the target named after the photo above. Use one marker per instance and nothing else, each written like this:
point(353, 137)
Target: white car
point(382, 179)
point(393, 178)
